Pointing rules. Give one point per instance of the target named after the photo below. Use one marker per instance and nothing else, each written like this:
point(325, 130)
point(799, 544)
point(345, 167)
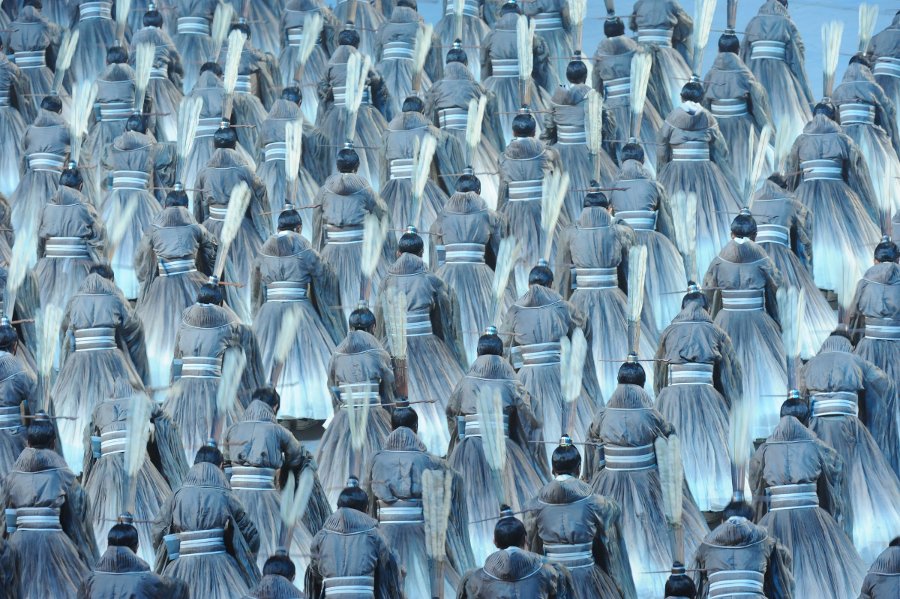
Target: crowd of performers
point(575, 327)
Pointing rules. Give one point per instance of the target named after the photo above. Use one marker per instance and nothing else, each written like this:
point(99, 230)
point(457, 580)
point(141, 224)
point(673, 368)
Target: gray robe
point(882, 581)
point(18, 386)
point(514, 572)
point(120, 574)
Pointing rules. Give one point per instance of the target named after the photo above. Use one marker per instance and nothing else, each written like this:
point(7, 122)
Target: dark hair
point(35, 3)
point(631, 373)
point(490, 345)
point(566, 460)
point(680, 584)
point(241, 26)
point(293, 94)
point(152, 18)
point(40, 434)
point(116, 55)
point(632, 151)
point(744, 225)
point(177, 197)
point(694, 296)
point(796, 407)
point(210, 455)
point(104, 270)
point(268, 395)
point(52, 104)
point(123, 535)
point(613, 27)
point(692, 91)
point(347, 160)
point(457, 54)
point(896, 541)
point(289, 220)
point(408, 4)
point(413, 104)
point(860, 58)
point(212, 67)
point(348, 37)
point(576, 71)
point(411, 243)
point(738, 509)
point(509, 532)
point(362, 319)
point(225, 137)
point(280, 564)
point(541, 275)
point(403, 415)
point(887, 251)
point(729, 42)
point(468, 182)
point(524, 125)
point(8, 336)
point(136, 122)
point(354, 498)
point(210, 293)
point(825, 107)
point(71, 177)
point(778, 179)
point(595, 199)
point(510, 6)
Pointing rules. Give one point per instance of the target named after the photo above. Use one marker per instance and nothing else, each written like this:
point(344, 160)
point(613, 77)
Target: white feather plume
point(144, 57)
point(705, 10)
point(593, 125)
point(422, 160)
point(83, 94)
point(474, 122)
point(641, 65)
point(789, 313)
point(49, 325)
point(577, 13)
point(524, 45)
point(868, 15)
point(572, 355)
point(422, 47)
point(783, 143)
point(236, 41)
point(123, 8)
point(24, 253)
point(234, 216)
point(394, 310)
point(374, 233)
point(233, 364)
point(121, 223)
point(684, 215)
point(312, 29)
point(188, 121)
point(221, 24)
point(759, 152)
point(671, 477)
point(555, 186)
point(832, 32)
point(358, 412)
point(637, 273)
point(437, 499)
point(493, 432)
point(287, 334)
point(740, 443)
point(293, 146)
point(64, 57)
point(357, 73)
point(137, 425)
point(507, 256)
point(295, 497)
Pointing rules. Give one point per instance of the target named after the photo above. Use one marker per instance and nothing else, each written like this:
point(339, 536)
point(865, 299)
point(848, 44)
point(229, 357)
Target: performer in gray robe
point(740, 558)
point(164, 90)
point(665, 29)
point(397, 486)
point(512, 571)
point(370, 14)
point(16, 109)
point(774, 51)
point(18, 392)
point(580, 530)
point(193, 20)
point(277, 581)
point(48, 519)
point(293, 19)
point(96, 31)
point(31, 38)
point(121, 574)
point(698, 381)
point(740, 285)
point(262, 453)
point(203, 535)
point(795, 479)
point(885, 50)
point(350, 557)
point(468, 28)
point(882, 581)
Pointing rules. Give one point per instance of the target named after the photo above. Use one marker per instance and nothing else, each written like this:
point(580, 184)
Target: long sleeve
point(802, 233)
point(145, 262)
point(131, 330)
point(728, 372)
point(563, 267)
point(447, 320)
point(759, 105)
point(168, 447)
point(388, 573)
point(612, 546)
point(779, 580)
point(758, 483)
point(77, 522)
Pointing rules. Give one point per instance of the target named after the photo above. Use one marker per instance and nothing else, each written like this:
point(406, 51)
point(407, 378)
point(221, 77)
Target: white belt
point(251, 478)
point(66, 247)
point(595, 278)
point(201, 542)
point(884, 329)
point(658, 37)
point(350, 587)
point(360, 393)
point(766, 49)
point(736, 583)
point(505, 67)
point(857, 114)
point(401, 512)
point(468, 253)
point(218, 212)
point(242, 86)
point(343, 235)
point(729, 108)
point(792, 497)
point(113, 442)
point(196, 367)
point(418, 323)
point(287, 291)
point(295, 37)
point(570, 135)
point(115, 111)
point(44, 519)
point(618, 87)
point(470, 8)
point(823, 169)
point(576, 555)
point(95, 338)
point(773, 234)
point(95, 10)
point(207, 126)
point(159, 73)
point(30, 59)
point(535, 354)
point(629, 458)
point(136, 180)
point(397, 51)
point(10, 418)
point(402, 168)
point(530, 190)
point(46, 161)
point(4, 96)
point(167, 268)
point(453, 118)
point(472, 425)
point(887, 66)
point(547, 21)
point(835, 403)
point(743, 300)
point(276, 151)
point(340, 95)
point(639, 220)
point(193, 26)
point(691, 151)
point(691, 373)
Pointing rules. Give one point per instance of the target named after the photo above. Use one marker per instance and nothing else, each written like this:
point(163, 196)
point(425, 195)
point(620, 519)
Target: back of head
point(71, 177)
point(209, 454)
point(408, 4)
point(738, 509)
point(729, 43)
point(468, 182)
point(632, 151)
point(40, 433)
point(411, 243)
point(36, 4)
point(177, 197)
point(631, 373)
point(123, 534)
point(362, 319)
point(292, 94)
point(541, 275)
point(566, 458)
point(347, 160)
point(692, 91)
point(796, 407)
point(778, 179)
point(680, 584)
point(152, 18)
point(212, 67)
point(694, 296)
point(523, 124)
point(490, 343)
point(576, 71)
point(895, 542)
point(353, 497)
point(595, 198)
point(413, 104)
point(457, 54)
point(268, 395)
point(52, 104)
point(744, 225)
point(404, 416)
point(211, 294)
point(104, 270)
point(860, 58)
point(349, 37)
point(509, 531)
point(887, 251)
point(826, 108)
point(116, 55)
point(136, 122)
point(613, 27)
point(289, 219)
point(280, 564)
point(225, 136)
point(510, 7)
point(8, 336)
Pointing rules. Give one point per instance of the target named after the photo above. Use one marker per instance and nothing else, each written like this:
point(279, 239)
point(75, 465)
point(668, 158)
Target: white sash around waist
point(95, 338)
point(193, 26)
point(25, 59)
point(95, 10)
point(397, 50)
point(773, 234)
point(287, 291)
point(453, 118)
point(575, 555)
point(10, 418)
point(535, 354)
point(887, 67)
point(201, 542)
point(595, 278)
point(743, 300)
point(472, 425)
point(46, 161)
point(343, 235)
point(691, 373)
point(418, 323)
point(115, 111)
point(66, 247)
point(823, 169)
point(470, 8)
point(657, 37)
point(547, 21)
point(885, 329)
point(199, 367)
point(464, 253)
point(401, 168)
point(529, 190)
point(622, 458)
point(570, 134)
point(401, 512)
point(691, 151)
point(359, 393)
point(252, 478)
point(768, 50)
point(729, 108)
point(207, 126)
point(736, 583)
point(505, 67)
point(168, 268)
point(792, 497)
point(835, 403)
point(37, 519)
point(135, 180)
point(618, 87)
point(350, 587)
point(639, 220)
point(857, 113)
